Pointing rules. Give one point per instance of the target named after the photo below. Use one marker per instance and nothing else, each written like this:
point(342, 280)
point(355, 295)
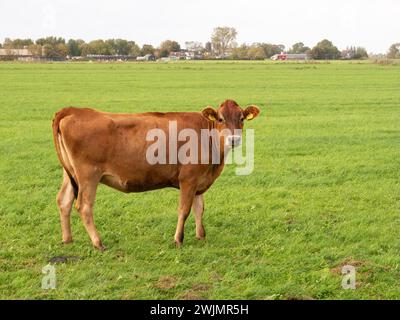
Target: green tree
point(17, 43)
point(134, 49)
point(121, 47)
point(35, 49)
point(360, 53)
point(110, 47)
point(50, 40)
point(240, 52)
point(168, 46)
point(299, 47)
point(75, 47)
point(55, 51)
point(271, 49)
point(7, 43)
point(208, 47)
point(84, 48)
point(394, 51)
point(147, 49)
point(222, 40)
point(62, 50)
point(53, 47)
point(325, 50)
point(101, 47)
point(256, 52)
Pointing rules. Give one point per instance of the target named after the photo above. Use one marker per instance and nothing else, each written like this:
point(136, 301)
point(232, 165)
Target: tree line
point(222, 45)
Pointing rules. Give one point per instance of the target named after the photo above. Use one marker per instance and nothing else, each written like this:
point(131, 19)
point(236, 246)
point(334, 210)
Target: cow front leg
point(187, 192)
point(198, 209)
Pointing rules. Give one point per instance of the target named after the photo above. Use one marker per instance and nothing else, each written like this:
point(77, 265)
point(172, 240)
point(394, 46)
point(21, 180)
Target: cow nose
point(233, 141)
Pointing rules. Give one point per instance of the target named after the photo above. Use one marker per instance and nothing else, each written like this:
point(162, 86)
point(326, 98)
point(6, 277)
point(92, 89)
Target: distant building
point(290, 56)
point(26, 55)
point(16, 54)
point(347, 54)
point(178, 55)
point(147, 57)
point(185, 55)
point(104, 57)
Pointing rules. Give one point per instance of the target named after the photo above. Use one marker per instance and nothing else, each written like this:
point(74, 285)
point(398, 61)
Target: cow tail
point(56, 132)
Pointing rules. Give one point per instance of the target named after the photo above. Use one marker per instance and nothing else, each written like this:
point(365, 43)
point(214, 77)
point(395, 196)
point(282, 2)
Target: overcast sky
point(374, 24)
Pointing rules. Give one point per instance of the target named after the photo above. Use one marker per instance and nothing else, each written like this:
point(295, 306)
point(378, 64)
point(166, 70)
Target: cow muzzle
point(233, 141)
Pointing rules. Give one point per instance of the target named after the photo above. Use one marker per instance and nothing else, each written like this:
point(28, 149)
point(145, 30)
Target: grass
point(324, 192)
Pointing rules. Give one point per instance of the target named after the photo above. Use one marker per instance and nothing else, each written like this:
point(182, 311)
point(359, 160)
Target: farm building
point(185, 55)
point(101, 57)
point(179, 55)
point(147, 57)
point(290, 56)
point(16, 54)
point(25, 55)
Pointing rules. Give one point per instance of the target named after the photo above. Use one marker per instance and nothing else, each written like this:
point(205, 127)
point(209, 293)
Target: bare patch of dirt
point(30, 263)
point(166, 283)
point(63, 259)
point(196, 292)
point(190, 295)
point(290, 220)
point(348, 262)
point(367, 269)
point(201, 287)
point(290, 297)
point(216, 277)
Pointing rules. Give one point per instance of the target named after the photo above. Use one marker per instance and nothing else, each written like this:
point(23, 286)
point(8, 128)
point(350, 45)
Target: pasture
point(325, 191)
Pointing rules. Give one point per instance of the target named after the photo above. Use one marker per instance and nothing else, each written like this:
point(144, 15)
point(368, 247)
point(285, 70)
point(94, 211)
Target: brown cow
point(98, 147)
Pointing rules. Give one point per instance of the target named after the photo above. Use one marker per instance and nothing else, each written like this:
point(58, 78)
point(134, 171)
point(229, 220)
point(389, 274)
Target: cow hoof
point(201, 238)
point(200, 233)
point(101, 247)
point(68, 241)
point(178, 244)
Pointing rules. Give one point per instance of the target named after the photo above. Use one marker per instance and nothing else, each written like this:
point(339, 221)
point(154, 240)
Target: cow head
point(228, 119)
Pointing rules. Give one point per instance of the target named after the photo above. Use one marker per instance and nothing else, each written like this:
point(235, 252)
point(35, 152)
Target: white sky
point(374, 24)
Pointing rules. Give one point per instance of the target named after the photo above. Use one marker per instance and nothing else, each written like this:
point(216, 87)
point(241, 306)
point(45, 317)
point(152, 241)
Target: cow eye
point(241, 119)
point(220, 120)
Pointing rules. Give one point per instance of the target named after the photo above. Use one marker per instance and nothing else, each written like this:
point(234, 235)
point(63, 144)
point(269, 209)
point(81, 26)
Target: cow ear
point(251, 112)
point(209, 113)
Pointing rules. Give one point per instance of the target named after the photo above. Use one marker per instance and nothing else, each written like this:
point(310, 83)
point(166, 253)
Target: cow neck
point(214, 146)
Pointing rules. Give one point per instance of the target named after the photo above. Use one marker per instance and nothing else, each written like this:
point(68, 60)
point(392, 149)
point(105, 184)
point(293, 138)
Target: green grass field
point(325, 191)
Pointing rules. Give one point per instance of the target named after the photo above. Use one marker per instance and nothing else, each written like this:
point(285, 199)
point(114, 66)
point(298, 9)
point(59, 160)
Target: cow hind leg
point(84, 205)
point(198, 209)
point(65, 199)
point(186, 196)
